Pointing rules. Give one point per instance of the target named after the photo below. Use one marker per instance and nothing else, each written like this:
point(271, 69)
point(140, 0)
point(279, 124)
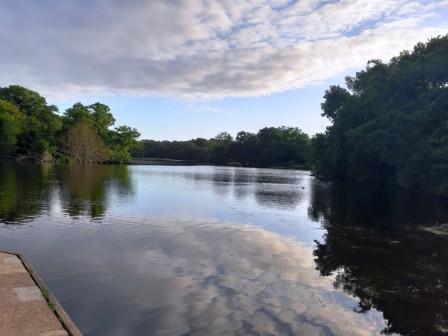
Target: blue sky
point(181, 69)
point(174, 119)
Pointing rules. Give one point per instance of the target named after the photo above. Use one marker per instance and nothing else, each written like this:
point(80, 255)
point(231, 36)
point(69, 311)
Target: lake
point(197, 250)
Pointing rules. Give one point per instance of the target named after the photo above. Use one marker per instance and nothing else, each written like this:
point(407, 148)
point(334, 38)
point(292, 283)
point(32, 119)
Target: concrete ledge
point(51, 300)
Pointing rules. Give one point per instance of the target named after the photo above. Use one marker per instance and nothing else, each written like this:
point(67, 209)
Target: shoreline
point(26, 309)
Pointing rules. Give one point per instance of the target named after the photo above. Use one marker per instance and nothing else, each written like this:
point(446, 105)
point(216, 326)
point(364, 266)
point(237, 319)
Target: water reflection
point(376, 248)
point(85, 189)
point(281, 189)
point(222, 180)
point(210, 279)
point(269, 188)
point(151, 251)
point(274, 196)
point(26, 191)
point(242, 184)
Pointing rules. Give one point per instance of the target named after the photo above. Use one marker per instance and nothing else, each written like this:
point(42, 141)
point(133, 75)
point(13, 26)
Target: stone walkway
point(23, 309)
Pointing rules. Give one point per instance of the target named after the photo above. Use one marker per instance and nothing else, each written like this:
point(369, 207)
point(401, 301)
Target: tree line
point(270, 147)
point(31, 129)
point(390, 123)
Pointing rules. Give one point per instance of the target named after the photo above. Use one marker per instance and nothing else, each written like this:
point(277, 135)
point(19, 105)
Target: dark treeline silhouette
point(271, 146)
point(379, 250)
point(391, 123)
point(32, 129)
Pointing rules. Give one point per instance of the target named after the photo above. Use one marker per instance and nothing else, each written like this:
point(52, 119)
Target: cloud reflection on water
point(242, 280)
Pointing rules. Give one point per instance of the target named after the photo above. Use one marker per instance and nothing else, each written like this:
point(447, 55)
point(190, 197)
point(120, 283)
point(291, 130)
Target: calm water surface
point(158, 250)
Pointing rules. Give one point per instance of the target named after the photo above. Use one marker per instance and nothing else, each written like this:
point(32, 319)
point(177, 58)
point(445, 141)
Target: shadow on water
point(377, 247)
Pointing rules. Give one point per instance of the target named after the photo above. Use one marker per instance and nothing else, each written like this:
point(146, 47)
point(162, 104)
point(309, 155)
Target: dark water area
point(176, 250)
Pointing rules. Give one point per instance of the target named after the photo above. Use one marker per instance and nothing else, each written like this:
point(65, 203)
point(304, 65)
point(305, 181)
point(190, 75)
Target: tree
point(102, 119)
point(75, 114)
point(10, 126)
point(40, 124)
point(116, 144)
point(391, 124)
point(220, 148)
point(271, 146)
point(246, 148)
point(335, 99)
point(122, 140)
point(83, 144)
point(31, 128)
point(283, 146)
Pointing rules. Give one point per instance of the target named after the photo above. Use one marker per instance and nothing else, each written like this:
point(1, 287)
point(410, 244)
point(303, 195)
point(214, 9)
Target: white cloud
point(202, 49)
point(226, 275)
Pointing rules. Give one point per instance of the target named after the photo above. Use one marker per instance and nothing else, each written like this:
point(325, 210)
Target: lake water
point(159, 250)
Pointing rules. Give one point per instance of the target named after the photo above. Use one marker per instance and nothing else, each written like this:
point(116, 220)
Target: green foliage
point(26, 190)
point(246, 148)
point(102, 118)
point(84, 144)
point(31, 128)
point(23, 192)
point(121, 141)
point(391, 124)
point(40, 123)
point(114, 145)
point(285, 146)
point(271, 146)
point(10, 126)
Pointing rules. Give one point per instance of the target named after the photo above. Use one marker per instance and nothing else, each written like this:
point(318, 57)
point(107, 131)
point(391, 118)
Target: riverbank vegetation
point(270, 147)
point(390, 124)
point(31, 129)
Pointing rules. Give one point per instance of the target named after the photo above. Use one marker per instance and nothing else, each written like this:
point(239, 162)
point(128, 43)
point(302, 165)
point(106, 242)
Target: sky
point(181, 69)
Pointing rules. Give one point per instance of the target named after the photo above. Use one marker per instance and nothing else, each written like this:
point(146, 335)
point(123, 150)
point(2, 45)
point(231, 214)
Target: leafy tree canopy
point(10, 126)
point(271, 146)
point(391, 123)
point(31, 128)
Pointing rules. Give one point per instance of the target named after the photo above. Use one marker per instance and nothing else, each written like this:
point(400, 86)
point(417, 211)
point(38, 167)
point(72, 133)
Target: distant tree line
point(390, 125)
point(32, 129)
point(270, 147)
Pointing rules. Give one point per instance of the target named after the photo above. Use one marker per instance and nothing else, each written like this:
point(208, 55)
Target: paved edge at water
point(19, 298)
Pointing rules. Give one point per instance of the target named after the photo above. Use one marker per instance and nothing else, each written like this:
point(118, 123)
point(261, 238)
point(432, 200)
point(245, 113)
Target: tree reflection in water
point(84, 189)
point(376, 247)
point(26, 191)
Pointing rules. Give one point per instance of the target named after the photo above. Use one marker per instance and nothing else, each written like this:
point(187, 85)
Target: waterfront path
point(26, 308)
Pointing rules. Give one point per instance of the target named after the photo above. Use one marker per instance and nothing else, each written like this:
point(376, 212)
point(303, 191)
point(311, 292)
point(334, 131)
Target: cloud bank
point(199, 48)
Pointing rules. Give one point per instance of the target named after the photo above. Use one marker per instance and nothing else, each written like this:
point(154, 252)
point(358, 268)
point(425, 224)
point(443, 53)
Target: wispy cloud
point(202, 49)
